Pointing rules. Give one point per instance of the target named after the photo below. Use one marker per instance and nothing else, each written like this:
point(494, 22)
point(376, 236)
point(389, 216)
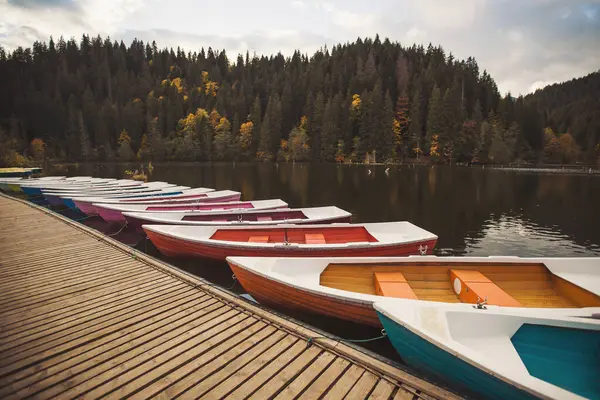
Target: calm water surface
point(474, 211)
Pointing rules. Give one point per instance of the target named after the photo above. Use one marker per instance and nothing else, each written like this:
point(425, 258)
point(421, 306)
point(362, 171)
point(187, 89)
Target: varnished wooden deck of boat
point(82, 315)
point(532, 285)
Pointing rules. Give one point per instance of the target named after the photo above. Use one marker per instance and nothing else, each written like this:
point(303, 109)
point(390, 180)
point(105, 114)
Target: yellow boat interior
point(502, 284)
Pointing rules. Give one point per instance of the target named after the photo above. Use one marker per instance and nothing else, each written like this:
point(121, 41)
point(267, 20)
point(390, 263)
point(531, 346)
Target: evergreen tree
point(434, 116)
point(315, 124)
point(256, 118)
point(415, 128)
point(84, 139)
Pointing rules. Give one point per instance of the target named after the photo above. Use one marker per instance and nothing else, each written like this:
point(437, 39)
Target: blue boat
point(499, 352)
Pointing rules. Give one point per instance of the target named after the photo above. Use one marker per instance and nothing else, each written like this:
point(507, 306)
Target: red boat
point(350, 240)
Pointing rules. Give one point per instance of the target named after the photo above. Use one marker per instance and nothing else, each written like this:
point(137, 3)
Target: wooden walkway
point(82, 315)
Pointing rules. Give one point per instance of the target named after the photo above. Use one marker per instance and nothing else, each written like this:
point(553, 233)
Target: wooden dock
point(82, 315)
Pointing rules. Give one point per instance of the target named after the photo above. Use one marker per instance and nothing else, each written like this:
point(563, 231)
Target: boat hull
point(54, 199)
point(137, 223)
point(31, 191)
point(434, 361)
point(173, 247)
point(277, 295)
point(109, 215)
point(15, 187)
point(87, 208)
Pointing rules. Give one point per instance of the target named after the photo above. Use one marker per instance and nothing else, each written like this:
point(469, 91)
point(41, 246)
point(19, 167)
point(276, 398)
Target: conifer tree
point(415, 128)
point(434, 116)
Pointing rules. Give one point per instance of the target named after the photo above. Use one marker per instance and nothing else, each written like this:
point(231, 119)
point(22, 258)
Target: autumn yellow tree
point(143, 151)
point(434, 148)
point(37, 149)
point(125, 151)
point(245, 138)
point(223, 143)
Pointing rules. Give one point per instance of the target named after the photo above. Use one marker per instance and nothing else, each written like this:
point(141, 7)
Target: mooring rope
point(84, 218)
point(219, 286)
point(63, 210)
point(310, 340)
point(138, 242)
point(117, 232)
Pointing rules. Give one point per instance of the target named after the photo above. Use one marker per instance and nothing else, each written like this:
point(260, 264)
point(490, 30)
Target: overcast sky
point(524, 44)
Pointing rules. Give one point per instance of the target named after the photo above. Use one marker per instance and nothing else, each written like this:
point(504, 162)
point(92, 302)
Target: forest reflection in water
point(473, 210)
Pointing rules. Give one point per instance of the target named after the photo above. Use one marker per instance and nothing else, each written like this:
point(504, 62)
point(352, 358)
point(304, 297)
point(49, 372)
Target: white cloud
point(523, 44)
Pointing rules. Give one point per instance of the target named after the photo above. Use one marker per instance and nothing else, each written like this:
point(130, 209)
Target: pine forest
point(367, 101)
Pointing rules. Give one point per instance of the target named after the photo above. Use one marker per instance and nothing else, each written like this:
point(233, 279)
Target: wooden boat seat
point(393, 284)
point(258, 239)
point(314, 238)
point(267, 218)
point(470, 285)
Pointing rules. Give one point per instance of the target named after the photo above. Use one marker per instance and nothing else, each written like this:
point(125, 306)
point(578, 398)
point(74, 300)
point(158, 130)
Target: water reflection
point(472, 210)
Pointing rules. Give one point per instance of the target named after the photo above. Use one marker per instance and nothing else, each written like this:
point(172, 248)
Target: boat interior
point(179, 197)
point(272, 215)
point(502, 284)
point(200, 207)
point(325, 235)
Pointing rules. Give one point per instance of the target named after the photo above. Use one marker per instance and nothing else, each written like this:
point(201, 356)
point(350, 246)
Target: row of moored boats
point(500, 327)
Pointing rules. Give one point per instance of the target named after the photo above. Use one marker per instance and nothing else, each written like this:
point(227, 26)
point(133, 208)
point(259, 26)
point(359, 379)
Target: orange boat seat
point(314, 238)
point(259, 239)
point(264, 218)
point(470, 285)
point(393, 284)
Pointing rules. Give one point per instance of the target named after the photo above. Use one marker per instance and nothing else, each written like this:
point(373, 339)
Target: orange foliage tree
point(37, 149)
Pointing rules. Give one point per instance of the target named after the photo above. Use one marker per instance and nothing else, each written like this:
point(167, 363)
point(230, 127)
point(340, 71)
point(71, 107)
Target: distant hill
point(572, 106)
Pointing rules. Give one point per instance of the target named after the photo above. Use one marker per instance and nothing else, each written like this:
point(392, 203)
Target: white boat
point(114, 212)
point(310, 215)
point(86, 203)
point(499, 352)
point(347, 287)
point(147, 190)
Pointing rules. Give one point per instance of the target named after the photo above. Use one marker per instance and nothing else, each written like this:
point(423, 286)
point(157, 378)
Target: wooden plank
point(24, 358)
point(199, 382)
point(208, 363)
point(284, 366)
point(382, 391)
point(300, 383)
point(363, 386)
point(344, 384)
point(109, 277)
point(49, 330)
point(403, 394)
point(288, 374)
point(33, 288)
point(118, 293)
point(237, 374)
point(327, 377)
point(141, 368)
point(62, 302)
point(166, 325)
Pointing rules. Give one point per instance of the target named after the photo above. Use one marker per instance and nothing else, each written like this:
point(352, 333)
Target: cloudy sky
point(524, 44)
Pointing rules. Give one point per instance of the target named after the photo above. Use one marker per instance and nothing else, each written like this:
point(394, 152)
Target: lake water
point(473, 210)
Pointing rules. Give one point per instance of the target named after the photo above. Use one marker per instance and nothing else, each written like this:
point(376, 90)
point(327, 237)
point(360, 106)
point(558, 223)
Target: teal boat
point(499, 352)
